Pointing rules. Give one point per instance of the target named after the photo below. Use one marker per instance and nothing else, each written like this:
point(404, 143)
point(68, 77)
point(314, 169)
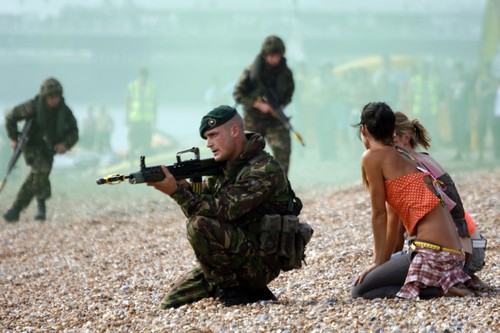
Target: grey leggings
point(386, 280)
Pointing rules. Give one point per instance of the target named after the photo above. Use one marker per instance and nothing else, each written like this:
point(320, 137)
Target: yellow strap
point(196, 187)
point(433, 247)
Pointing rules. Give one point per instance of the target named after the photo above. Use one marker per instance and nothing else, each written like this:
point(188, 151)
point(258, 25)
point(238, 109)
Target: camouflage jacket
point(49, 127)
point(258, 78)
point(241, 197)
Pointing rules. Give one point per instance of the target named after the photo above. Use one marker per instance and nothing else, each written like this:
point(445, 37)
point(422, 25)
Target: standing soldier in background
point(53, 131)
point(268, 73)
point(141, 114)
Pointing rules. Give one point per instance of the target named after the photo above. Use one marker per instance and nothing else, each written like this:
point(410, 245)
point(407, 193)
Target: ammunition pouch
point(284, 237)
point(269, 228)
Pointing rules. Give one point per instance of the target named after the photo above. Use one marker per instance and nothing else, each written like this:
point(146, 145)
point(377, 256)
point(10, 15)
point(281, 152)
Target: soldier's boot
point(41, 212)
point(12, 215)
point(262, 294)
point(233, 296)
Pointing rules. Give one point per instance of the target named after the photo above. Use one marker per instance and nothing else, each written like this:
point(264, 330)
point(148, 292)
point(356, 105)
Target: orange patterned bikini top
point(411, 198)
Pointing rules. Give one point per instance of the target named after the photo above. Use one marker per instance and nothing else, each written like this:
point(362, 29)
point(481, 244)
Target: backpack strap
point(439, 186)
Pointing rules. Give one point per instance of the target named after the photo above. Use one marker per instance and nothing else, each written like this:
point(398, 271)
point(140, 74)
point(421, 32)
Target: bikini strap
point(439, 186)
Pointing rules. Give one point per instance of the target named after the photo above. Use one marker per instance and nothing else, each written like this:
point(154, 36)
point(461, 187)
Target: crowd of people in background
point(456, 103)
point(459, 105)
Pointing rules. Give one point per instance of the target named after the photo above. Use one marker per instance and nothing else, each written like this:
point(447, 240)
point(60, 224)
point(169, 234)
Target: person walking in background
point(385, 81)
point(141, 114)
point(268, 74)
point(460, 94)
point(424, 97)
point(399, 191)
point(485, 90)
point(53, 131)
point(103, 131)
point(88, 130)
point(496, 125)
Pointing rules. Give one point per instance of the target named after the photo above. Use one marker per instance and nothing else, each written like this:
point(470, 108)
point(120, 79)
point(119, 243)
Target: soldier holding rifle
point(53, 130)
point(264, 89)
point(229, 222)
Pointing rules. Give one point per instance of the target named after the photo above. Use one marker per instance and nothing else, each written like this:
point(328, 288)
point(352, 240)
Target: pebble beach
point(105, 258)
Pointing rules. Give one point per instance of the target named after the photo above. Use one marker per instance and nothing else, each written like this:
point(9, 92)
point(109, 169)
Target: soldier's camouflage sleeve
point(243, 92)
point(20, 112)
point(288, 88)
point(71, 129)
point(259, 187)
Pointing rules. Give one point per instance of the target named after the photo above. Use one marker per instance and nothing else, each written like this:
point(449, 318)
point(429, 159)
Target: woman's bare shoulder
point(377, 154)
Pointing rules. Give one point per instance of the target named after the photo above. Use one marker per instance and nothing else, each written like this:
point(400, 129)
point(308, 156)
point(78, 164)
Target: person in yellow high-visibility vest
point(141, 114)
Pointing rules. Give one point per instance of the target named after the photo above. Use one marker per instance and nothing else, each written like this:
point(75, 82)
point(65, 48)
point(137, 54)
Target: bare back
point(385, 163)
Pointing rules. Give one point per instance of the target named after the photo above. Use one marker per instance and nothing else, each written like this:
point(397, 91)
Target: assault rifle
point(21, 142)
point(270, 98)
point(193, 169)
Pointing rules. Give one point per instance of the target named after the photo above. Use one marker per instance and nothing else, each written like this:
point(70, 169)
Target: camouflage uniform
point(221, 224)
point(50, 127)
point(252, 84)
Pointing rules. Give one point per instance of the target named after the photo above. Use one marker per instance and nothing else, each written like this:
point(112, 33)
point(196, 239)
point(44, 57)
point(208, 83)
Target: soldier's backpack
point(285, 235)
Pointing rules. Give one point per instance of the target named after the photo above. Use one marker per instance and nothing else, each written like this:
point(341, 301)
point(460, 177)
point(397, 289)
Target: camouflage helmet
point(51, 87)
point(273, 45)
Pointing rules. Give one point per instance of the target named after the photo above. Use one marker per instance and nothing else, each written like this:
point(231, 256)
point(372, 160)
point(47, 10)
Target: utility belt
point(284, 237)
point(432, 246)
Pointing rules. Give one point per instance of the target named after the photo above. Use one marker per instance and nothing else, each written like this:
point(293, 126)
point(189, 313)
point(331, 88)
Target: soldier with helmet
point(53, 131)
point(268, 73)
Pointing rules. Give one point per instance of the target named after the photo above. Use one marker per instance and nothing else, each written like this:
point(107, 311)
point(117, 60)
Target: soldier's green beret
point(218, 116)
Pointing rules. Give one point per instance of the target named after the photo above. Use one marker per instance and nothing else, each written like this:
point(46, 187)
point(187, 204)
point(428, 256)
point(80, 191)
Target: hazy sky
point(95, 53)
point(51, 7)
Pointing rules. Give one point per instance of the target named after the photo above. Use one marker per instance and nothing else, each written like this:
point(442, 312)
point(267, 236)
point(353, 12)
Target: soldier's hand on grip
point(168, 185)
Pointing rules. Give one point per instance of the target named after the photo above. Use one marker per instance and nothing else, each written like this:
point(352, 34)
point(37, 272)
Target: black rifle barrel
point(191, 169)
point(23, 138)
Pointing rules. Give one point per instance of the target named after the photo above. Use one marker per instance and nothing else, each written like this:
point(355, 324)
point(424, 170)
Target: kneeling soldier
point(224, 220)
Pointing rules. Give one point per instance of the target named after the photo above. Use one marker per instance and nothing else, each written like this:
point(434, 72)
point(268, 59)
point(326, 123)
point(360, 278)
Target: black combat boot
point(233, 296)
point(262, 294)
point(12, 215)
point(40, 214)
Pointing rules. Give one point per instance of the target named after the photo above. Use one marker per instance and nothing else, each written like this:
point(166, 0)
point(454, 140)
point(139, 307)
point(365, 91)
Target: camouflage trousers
point(276, 135)
point(37, 184)
point(227, 256)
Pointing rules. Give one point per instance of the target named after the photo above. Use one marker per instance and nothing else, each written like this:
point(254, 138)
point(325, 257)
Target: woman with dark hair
point(399, 190)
